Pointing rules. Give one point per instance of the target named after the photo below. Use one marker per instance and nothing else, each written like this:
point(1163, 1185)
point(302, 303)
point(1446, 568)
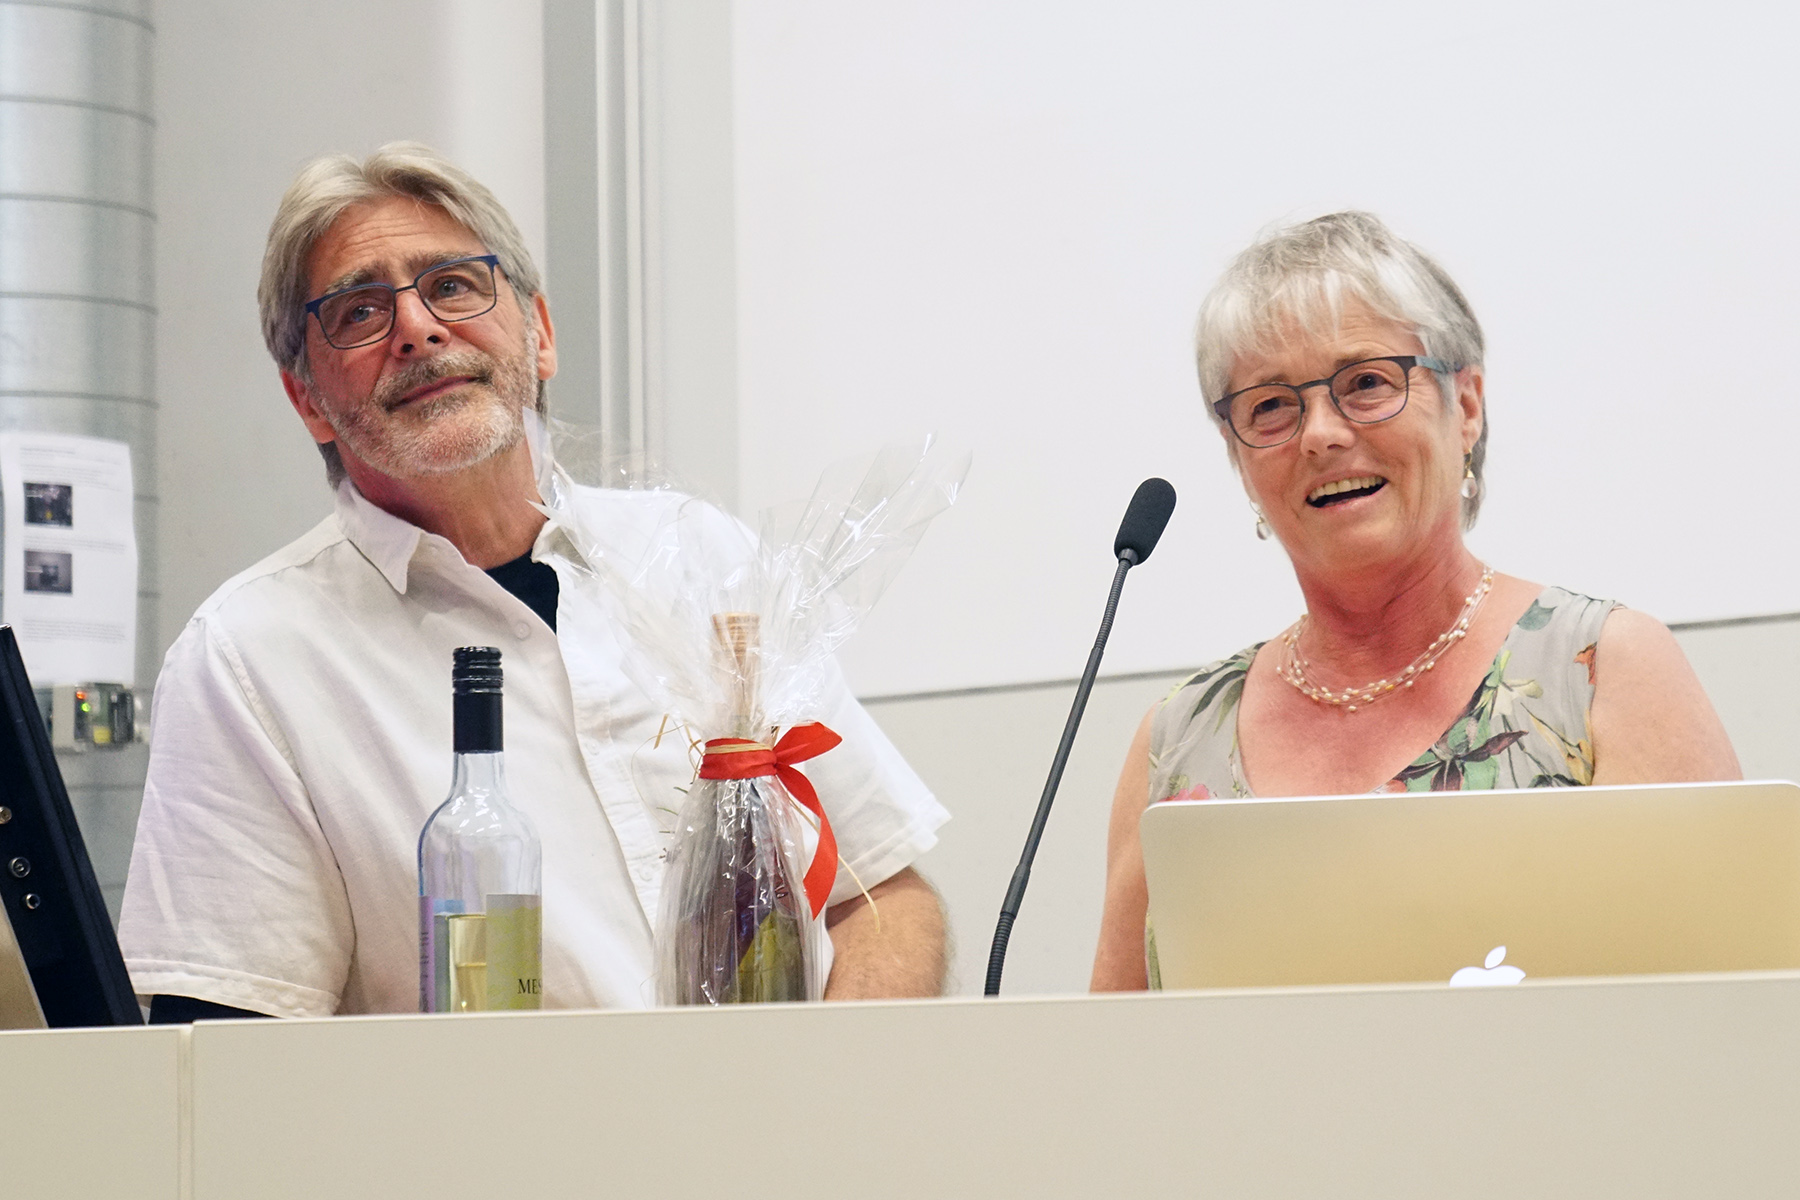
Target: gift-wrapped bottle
point(736, 924)
point(731, 634)
point(480, 890)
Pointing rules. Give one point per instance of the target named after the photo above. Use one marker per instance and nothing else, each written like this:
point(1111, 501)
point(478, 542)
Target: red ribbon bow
point(740, 758)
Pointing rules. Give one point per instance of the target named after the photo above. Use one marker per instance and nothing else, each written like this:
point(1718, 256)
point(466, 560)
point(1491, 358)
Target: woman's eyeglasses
point(1372, 390)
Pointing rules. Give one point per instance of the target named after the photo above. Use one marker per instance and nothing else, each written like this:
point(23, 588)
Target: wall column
point(641, 229)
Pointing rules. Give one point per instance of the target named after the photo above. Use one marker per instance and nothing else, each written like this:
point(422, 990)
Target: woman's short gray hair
point(327, 186)
point(1300, 275)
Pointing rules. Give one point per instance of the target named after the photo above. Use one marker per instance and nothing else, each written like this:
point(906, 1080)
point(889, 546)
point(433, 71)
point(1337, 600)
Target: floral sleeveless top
point(1526, 726)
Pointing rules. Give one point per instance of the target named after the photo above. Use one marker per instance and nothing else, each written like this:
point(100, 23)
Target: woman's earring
point(1263, 532)
point(1469, 486)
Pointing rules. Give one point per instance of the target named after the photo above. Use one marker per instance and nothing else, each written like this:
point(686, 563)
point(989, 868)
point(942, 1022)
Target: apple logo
point(1491, 975)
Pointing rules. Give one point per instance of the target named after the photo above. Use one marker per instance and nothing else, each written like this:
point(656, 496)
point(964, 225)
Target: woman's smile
point(1343, 491)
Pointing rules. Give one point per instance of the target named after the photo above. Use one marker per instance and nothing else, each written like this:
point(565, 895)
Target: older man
point(301, 733)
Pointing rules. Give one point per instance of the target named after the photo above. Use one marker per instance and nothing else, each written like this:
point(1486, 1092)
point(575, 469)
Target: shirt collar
point(390, 542)
point(387, 541)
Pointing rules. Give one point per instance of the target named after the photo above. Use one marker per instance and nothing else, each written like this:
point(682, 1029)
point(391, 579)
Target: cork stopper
point(739, 652)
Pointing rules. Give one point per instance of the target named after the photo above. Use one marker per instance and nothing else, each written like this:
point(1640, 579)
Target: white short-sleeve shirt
point(300, 738)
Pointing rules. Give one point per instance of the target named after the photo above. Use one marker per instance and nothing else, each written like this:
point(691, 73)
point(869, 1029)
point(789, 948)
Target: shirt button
point(521, 631)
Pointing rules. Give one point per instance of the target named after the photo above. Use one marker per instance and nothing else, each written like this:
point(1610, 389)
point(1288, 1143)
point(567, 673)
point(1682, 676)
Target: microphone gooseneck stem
point(1015, 892)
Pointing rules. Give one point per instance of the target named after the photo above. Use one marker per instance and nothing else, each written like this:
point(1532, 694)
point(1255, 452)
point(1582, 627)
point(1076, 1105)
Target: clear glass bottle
point(480, 867)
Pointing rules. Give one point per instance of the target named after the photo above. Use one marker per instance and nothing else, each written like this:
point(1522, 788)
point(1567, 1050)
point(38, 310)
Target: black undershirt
point(535, 584)
point(532, 582)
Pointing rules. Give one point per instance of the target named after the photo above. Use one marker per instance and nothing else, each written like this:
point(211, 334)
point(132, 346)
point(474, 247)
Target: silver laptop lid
point(19, 1007)
point(1416, 886)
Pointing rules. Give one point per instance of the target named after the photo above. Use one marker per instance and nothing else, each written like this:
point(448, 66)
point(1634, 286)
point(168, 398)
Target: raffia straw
point(696, 748)
point(655, 743)
point(873, 907)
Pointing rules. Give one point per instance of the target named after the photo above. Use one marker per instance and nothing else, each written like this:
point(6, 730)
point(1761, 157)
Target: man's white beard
point(444, 435)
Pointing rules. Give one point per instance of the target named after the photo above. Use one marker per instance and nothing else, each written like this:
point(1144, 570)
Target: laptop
point(1475, 887)
point(59, 962)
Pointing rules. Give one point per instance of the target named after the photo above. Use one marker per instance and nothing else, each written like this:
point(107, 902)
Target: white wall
point(996, 219)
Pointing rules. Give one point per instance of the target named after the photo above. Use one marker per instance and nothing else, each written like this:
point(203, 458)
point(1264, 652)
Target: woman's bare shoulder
point(1630, 631)
point(1653, 722)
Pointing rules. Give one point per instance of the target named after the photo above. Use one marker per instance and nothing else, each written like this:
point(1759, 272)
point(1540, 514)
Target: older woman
point(1344, 369)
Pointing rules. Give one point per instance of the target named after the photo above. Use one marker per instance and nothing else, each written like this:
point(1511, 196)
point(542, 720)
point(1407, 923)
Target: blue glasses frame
point(313, 306)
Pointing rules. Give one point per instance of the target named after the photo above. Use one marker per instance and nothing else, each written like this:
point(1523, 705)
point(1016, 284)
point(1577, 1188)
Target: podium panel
point(1624, 1087)
point(88, 1113)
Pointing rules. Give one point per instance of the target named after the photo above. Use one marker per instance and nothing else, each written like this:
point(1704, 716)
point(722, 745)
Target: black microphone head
point(1145, 520)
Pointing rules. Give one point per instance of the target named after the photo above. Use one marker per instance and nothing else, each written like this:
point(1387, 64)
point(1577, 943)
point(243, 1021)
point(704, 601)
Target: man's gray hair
point(1300, 275)
point(320, 193)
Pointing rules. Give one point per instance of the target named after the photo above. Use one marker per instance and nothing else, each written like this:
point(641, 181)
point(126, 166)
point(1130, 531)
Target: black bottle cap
point(475, 669)
point(475, 680)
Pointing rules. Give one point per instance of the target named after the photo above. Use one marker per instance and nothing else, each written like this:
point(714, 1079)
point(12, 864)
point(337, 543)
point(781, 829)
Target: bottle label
point(434, 952)
point(514, 951)
point(427, 965)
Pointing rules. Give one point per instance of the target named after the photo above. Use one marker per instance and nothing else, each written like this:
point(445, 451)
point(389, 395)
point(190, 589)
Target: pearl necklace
point(1293, 665)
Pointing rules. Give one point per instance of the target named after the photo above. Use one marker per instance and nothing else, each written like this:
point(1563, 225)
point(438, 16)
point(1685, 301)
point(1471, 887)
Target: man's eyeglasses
point(453, 291)
point(1372, 390)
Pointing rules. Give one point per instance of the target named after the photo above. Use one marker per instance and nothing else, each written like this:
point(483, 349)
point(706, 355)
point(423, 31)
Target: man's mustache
point(478, 367)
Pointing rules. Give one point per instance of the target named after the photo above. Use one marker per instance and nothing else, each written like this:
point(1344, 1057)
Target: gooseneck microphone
point(1143, 525)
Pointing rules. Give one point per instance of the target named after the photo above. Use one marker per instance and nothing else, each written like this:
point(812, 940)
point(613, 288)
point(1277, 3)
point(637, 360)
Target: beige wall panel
point(1752, 673)
point(986, 755)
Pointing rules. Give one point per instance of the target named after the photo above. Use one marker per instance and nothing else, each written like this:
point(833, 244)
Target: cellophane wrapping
point(734, 924)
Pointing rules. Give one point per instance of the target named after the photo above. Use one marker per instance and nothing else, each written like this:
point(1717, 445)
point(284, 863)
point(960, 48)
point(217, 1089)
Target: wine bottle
point(735, 926)
point(480, 866)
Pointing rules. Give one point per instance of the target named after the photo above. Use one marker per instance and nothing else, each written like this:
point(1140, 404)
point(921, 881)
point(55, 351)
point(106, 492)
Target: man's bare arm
point(894, 950)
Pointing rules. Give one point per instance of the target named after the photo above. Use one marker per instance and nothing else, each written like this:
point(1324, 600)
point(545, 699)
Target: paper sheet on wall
point(71, 561)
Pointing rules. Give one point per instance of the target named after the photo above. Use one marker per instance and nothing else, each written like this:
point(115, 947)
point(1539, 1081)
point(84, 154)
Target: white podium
point(1658, 1087)
point(92, 1113)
